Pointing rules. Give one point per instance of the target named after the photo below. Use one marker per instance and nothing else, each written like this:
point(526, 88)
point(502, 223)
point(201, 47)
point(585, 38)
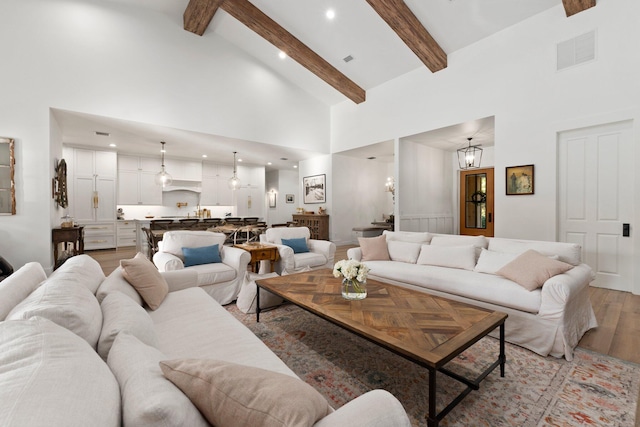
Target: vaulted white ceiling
point(357, 30)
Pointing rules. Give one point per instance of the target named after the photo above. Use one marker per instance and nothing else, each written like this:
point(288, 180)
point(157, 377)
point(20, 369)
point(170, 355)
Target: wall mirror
point(7, 182)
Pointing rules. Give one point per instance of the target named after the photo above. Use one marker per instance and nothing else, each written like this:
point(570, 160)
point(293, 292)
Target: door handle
point(490, 217)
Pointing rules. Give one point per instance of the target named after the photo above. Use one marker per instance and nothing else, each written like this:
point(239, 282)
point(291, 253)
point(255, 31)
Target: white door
point(596, 177)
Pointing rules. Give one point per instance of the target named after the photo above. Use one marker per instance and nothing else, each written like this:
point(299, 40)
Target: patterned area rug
point(591, 390)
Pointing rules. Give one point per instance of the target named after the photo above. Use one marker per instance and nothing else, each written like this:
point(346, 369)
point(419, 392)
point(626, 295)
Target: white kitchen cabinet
point(183, 170)
point(215, 187)
point(92, 199)
point(136, 181)
point(250, 197)
point(126, 231)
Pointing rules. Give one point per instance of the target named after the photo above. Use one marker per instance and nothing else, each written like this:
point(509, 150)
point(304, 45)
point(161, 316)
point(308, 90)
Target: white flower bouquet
point(351, 269)
point(354, 280)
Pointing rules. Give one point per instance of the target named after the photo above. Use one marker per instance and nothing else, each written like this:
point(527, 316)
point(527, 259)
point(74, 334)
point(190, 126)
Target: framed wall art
point(313, 188)
point(519, 180)
point(289, 198)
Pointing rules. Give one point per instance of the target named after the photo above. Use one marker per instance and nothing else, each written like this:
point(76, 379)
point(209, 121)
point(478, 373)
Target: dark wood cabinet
point(318, 224)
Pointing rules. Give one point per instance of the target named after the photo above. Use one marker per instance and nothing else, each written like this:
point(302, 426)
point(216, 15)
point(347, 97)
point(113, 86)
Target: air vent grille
point(578, 50)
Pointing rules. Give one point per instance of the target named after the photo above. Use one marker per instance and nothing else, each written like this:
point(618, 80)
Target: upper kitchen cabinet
point(250, 197)
point(183, 170)
point(215, 189)
point(136, 181)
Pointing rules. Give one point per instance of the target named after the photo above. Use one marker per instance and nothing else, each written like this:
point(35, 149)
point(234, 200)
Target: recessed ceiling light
point(204, 156)
point(102, 133)
point(239, 160)
point(282, 55)
point(330, 14)
point(283, 158)
point(295, 166)
point(269, 163)
point(112, 145)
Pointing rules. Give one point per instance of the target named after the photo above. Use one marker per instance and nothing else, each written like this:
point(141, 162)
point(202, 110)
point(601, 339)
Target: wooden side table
point(260, 252)
point(73, 235)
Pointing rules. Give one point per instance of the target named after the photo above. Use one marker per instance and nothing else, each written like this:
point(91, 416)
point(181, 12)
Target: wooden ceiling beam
point(199, 14)
point(571, 7)
point(407, 26)
point(268, 29)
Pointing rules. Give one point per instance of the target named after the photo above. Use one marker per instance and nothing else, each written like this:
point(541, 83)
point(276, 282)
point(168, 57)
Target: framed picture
point(313, 188)
point(519, 180)
point(272, 199)
point(289, 198)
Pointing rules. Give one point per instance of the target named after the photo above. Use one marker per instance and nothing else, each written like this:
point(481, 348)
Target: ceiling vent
point(102, 133)
point(578, 50)
point(348, 58)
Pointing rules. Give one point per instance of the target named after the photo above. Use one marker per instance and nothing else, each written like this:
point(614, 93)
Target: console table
point(72, 235)
point(318, 224)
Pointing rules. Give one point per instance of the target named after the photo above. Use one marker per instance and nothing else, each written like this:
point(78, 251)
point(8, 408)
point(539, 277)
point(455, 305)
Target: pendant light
point(469, 157)
point(234, 181)
point(162, 177)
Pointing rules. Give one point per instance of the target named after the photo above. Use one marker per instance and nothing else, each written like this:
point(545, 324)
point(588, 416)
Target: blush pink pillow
point(531, 269)
point(374, 248)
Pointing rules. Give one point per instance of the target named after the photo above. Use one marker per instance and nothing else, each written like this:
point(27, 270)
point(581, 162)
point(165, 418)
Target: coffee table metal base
point(434, 417)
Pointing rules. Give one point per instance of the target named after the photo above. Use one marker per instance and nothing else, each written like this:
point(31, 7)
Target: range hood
point(179, 185)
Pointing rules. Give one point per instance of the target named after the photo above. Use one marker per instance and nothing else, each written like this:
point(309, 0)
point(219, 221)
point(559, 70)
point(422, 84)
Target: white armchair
point(221, 280)
point(321, 252)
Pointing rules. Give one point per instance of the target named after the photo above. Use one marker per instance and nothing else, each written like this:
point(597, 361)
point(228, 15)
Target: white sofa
point(549, 320)
point(220, 280)
point(51, 373)
point(321, 252)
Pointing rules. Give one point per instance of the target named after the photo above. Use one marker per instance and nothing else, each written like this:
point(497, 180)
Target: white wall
point(283, 182)
point(111, 59)
point(358, 196)
point(512, 76)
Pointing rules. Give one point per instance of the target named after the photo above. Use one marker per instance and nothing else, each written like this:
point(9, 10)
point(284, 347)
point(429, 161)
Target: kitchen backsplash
point(169, 207)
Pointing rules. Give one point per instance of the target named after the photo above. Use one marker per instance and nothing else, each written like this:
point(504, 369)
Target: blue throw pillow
point(298, 245)
point(202, 255)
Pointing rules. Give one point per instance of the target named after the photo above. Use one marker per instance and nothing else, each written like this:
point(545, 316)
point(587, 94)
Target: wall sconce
point(272, 198)
point(390, 187)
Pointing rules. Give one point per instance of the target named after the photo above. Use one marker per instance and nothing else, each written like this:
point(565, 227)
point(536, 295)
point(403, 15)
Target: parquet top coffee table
point(423, 328)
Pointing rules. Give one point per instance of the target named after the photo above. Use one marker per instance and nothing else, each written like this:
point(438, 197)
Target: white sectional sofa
point(79, 349)
point(549, 320)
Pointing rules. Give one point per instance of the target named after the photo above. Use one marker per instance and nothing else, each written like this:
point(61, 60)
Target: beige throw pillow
point(374, 248)
point(232, 395)
point(531, 269)
point(145, 277)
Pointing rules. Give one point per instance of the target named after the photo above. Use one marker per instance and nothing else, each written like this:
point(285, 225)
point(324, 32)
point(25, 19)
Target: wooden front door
point(476, 202)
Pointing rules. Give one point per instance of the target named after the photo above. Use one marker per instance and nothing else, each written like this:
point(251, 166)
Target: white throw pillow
point(463, 257)
point(68, 304)
point(148, 398)
point(407, 236)
point(490, 262)
point(52, 377)
point(246, 302)
point(121, 313)
point(404, 251)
